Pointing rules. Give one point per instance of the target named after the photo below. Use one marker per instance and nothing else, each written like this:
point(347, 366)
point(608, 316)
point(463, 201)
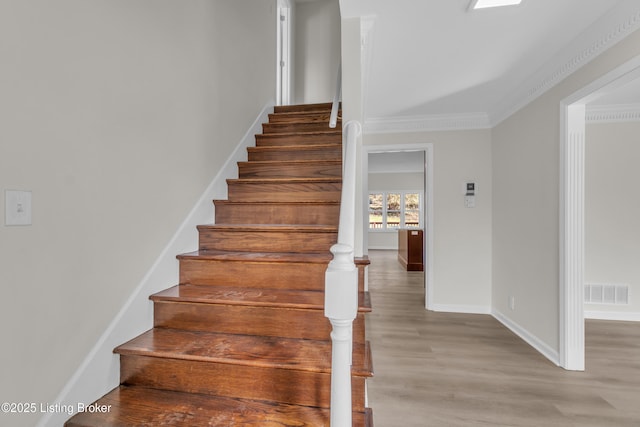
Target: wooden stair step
point(246, 350)
point(303, 117)
point(232, 295)
point(296, 127)
point(322, 106)
point(295, 371)
point(139, 406)
point(275, 298)
point(299, 138)
point(268, 237)
point(254, 270)
point(313, 212)
point(296, 152)
point(284, 189)
point(251, 311)
point(290, 169)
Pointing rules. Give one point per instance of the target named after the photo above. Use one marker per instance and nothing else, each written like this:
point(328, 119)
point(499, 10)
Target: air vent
point(598, 293)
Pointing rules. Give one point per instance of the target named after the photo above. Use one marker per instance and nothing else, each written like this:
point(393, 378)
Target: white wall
point(116, 115)
point(316, 50)
point(526, 207)
point(391, 182)
point(462, 236)
point(612, 209)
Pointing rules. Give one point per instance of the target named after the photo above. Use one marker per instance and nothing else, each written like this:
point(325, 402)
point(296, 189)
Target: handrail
point(333, 120)
point(341, 286)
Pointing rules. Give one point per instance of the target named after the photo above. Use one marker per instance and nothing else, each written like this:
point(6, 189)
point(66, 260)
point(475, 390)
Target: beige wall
point(116, 115)
point(525, 203)
point(462, 236)
point(612, 209)
point(317, 43)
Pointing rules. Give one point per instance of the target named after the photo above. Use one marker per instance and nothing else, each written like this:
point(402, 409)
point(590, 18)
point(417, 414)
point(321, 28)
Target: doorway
point(425, 152)
point(572, 210)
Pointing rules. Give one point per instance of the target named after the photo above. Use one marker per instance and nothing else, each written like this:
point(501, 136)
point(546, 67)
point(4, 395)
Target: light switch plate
point(17, 207)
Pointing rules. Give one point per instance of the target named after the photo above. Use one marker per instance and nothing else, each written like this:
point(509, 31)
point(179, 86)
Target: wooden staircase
point(243, 340)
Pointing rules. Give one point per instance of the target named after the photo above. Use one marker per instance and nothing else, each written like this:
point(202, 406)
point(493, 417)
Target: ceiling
point(434, 64)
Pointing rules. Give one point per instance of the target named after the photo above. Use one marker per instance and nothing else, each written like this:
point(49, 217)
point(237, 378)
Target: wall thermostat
point(470, 195)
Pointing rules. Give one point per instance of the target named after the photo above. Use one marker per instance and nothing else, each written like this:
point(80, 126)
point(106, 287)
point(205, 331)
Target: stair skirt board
point(89, 382)
point(243, 333)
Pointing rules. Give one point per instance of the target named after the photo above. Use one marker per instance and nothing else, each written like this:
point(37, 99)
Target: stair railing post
point(341, 289)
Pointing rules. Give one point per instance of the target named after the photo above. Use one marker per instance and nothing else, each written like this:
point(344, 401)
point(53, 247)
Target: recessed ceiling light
point(483, 4)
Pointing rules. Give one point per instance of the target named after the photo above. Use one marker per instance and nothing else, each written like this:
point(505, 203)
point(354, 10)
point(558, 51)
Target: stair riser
point(296, 127)
point(267, 321)
point(261, 213)
point(311, 117)
point(219, 379)
point(290, 170)
point(284, 192)
point(270, 241)
point(318, 107)
point(253, 274)
point(331, 152)
point(293, 139)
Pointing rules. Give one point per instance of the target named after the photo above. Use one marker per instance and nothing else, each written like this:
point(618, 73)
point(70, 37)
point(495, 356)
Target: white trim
point(428, 201)
point(542, 347)
point(461, 308)
point(613, 315)
point(100, 370)
point(427, 123)
point(571, 230)
point(571, 237)
point(383, 248)
point(621, 113)
point(283, 52)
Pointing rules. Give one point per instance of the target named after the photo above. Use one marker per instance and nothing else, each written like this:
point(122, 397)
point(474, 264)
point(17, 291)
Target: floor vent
point(597, 293)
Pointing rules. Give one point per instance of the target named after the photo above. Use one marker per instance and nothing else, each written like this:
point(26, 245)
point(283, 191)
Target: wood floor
point(444, 369)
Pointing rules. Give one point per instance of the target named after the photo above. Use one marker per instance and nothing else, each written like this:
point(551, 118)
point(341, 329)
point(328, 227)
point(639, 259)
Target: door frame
point(572, 165)
point(427, 198)
point(284, 37)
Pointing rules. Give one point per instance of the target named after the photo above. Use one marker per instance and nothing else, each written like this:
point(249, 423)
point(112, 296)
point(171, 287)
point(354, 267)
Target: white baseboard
point(383, 248)
point(466, 309)
point(100, 370)
point(528, 337)
point(611, 315)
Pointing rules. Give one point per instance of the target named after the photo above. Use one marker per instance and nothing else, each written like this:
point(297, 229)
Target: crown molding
point(611, 29)
point(427, 123)
point(613, 113)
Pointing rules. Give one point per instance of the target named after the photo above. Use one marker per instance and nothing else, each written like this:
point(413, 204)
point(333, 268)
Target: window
point(394, 209)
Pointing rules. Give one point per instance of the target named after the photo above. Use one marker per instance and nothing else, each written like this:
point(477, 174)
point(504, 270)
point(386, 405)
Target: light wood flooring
point(444, 369)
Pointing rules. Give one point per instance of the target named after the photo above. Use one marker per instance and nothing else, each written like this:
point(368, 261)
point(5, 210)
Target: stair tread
point(319, 132)
point(139, 406)
point(301, 203)
point(284, 180)
point(290, 147)
point(256, 297)
point(318, 106)
point(292, 162)
point(303, 228)
point(258, 256)
point(247, 350)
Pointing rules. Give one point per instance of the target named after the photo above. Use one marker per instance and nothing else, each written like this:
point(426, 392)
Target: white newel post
point(341, 307)
point(341, 289)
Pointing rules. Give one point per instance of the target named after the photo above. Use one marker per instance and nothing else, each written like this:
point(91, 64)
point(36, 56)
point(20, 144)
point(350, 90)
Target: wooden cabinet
point(410, 249)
